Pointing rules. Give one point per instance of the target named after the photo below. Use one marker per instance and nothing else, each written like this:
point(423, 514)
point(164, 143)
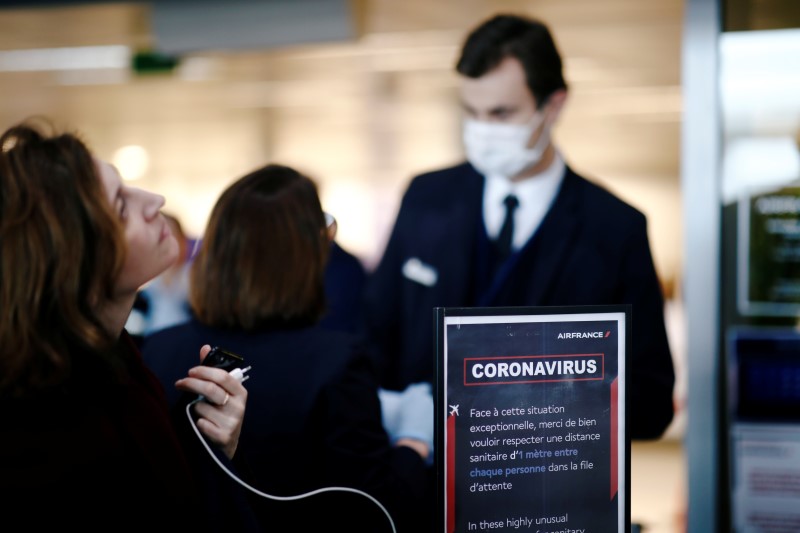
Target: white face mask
point(497, 149)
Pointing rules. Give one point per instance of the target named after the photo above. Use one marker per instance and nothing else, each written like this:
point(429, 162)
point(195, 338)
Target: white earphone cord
point(273, 497)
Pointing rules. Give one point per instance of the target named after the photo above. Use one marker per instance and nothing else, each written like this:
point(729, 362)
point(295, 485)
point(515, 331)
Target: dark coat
point(312, 420)
point(101, 452)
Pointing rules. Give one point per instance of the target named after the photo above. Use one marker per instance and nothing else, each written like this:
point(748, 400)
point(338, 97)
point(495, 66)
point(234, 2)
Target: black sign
point(530, 414)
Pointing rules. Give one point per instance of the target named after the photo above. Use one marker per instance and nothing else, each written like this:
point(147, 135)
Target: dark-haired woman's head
point(75, 244)
point(263, 256)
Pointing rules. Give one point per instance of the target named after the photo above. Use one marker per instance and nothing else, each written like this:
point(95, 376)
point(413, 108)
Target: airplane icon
point(454, 410)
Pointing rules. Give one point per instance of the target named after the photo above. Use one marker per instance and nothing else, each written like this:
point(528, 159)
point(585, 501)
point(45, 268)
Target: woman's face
point(151, 247)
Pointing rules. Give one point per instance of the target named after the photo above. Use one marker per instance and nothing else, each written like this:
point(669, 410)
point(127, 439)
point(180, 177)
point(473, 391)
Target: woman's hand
point(220, 416)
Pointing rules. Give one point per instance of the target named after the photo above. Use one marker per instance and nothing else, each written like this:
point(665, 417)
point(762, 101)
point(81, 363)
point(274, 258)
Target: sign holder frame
point(512, 358)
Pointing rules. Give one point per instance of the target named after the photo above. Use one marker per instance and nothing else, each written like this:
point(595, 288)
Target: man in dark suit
point(567, 241)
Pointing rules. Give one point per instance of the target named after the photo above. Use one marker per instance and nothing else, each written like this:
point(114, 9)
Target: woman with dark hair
point(313, 419)
point(87, 439)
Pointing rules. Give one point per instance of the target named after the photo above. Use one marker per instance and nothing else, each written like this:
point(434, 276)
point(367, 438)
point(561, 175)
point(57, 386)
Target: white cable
point(271, 496)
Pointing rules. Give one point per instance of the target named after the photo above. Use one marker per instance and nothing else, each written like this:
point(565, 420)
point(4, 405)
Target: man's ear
point(555, 103)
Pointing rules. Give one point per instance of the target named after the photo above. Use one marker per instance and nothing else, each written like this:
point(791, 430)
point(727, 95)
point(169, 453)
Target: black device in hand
point(218, 358)
point(223, 359)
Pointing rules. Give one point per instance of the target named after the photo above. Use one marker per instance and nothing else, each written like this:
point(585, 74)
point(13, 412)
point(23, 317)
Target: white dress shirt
point(535, 195)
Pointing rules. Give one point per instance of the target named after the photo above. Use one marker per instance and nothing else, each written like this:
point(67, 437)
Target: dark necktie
point(507, 231)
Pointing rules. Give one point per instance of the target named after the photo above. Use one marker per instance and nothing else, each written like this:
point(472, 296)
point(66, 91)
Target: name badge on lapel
point(416, 270)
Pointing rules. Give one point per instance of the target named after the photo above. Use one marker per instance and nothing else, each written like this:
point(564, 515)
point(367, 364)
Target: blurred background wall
point(361, 95)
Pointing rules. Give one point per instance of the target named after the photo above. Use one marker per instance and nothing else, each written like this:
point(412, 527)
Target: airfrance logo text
point(532, 369)
point(584, 334)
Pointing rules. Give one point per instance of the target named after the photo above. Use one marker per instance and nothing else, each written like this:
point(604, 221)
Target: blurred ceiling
point(622, 59)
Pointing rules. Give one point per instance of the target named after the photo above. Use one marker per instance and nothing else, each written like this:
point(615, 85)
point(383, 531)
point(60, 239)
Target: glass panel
point(759, 83)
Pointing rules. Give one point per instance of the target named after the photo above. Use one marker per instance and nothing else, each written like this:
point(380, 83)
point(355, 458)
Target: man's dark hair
point(525, 39)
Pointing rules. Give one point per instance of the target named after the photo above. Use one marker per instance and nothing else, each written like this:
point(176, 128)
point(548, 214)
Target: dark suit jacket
point(590, 249)
point(312, 420)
